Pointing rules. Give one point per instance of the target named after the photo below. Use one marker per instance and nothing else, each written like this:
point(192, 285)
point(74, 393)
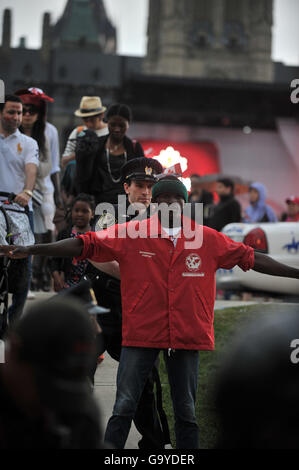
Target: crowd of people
point(49, 183)
point(159, 276)
point(228, 209)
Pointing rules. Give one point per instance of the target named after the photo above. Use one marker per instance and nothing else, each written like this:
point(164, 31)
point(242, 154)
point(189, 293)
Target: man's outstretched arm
point(69, 247)
point(267, 265)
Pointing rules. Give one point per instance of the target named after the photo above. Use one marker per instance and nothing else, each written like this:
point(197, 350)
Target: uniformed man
point(138, 176)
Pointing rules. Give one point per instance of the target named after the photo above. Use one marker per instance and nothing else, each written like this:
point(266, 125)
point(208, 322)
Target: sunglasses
point(30, 110)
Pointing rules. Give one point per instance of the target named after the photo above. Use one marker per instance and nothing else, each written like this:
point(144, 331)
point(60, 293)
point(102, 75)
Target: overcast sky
point(130, 18)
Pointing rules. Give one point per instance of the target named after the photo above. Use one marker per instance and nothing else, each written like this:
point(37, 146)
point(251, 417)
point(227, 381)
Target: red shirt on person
point(168, 291)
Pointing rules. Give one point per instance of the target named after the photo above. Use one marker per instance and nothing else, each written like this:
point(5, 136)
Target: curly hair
point(83, 197)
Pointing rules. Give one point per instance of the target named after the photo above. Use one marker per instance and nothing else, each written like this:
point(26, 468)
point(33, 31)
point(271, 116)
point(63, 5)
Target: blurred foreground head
point(50, 351)
point(53, 342)
point(257, 388)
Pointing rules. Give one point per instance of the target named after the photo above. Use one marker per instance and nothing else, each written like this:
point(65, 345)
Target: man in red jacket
point(168, 293)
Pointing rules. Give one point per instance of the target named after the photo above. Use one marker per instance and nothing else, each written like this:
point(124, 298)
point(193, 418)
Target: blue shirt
point(16, 151)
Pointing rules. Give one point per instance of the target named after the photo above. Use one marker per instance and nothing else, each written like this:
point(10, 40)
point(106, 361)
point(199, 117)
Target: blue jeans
point(134, 367)
point(19, 300)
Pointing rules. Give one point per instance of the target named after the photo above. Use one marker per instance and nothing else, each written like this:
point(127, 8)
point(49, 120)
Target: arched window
point(234, 35)
point(201, 25)
point(201, 34)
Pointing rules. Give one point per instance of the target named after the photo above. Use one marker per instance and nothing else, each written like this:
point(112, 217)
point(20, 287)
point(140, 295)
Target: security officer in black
point(138, 176)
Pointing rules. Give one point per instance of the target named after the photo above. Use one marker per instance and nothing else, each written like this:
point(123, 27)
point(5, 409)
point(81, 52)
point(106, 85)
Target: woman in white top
point(33, 125)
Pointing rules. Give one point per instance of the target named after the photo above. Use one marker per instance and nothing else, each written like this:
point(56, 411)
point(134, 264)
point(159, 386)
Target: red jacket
point(168, 292)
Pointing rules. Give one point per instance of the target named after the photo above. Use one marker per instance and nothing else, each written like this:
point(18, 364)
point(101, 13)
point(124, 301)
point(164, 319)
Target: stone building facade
point(77, 57)
point(220, 39)
point(208, 63)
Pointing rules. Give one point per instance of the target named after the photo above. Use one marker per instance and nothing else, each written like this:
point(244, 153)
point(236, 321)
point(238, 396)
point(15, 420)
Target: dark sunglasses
point(30, 110)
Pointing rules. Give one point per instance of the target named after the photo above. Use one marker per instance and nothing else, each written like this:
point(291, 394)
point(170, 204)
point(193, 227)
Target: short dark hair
point(227, 182)
point(85, 198)
point(119, 110)
point(13, 98)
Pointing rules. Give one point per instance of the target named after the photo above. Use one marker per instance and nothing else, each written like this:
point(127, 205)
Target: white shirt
point(71, 142)
point(16, 151)
point(172, 233)
point(52, 135)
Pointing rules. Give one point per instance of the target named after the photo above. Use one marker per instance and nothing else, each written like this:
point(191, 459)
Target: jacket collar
point(155, 229)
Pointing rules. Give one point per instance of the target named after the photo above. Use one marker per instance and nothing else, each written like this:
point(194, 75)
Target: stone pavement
point(105, 389)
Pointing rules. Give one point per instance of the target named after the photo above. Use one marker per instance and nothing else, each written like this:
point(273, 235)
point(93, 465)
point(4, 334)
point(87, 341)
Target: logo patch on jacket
point(193, 264)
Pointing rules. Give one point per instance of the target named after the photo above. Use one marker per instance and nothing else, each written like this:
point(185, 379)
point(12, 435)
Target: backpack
point(14, 230)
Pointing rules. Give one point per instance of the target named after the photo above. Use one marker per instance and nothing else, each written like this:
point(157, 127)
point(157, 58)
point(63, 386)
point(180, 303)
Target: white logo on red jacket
point(193, 262)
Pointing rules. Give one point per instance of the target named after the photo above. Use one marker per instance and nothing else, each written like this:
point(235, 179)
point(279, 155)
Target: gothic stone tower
point(220, 39)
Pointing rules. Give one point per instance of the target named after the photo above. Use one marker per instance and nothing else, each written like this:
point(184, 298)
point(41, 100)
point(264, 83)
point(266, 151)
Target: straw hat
point(90, 106)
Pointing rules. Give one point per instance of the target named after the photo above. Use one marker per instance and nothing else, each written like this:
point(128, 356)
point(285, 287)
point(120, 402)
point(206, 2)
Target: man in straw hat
point(91, 112)
point(168, 295)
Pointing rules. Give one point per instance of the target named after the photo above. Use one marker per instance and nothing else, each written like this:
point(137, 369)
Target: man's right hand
point(14, 252)
point(22, 199)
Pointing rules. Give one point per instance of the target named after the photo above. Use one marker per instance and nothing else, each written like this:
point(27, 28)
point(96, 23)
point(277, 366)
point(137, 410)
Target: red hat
point(292, 200)
point(34, 96)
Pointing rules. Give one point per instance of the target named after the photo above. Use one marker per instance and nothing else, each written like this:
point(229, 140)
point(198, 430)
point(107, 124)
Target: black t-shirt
point(95, 173)
point(227, 211)
point(109, 173)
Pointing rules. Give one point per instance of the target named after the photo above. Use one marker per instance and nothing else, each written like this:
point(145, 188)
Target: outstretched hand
point(14, 252)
